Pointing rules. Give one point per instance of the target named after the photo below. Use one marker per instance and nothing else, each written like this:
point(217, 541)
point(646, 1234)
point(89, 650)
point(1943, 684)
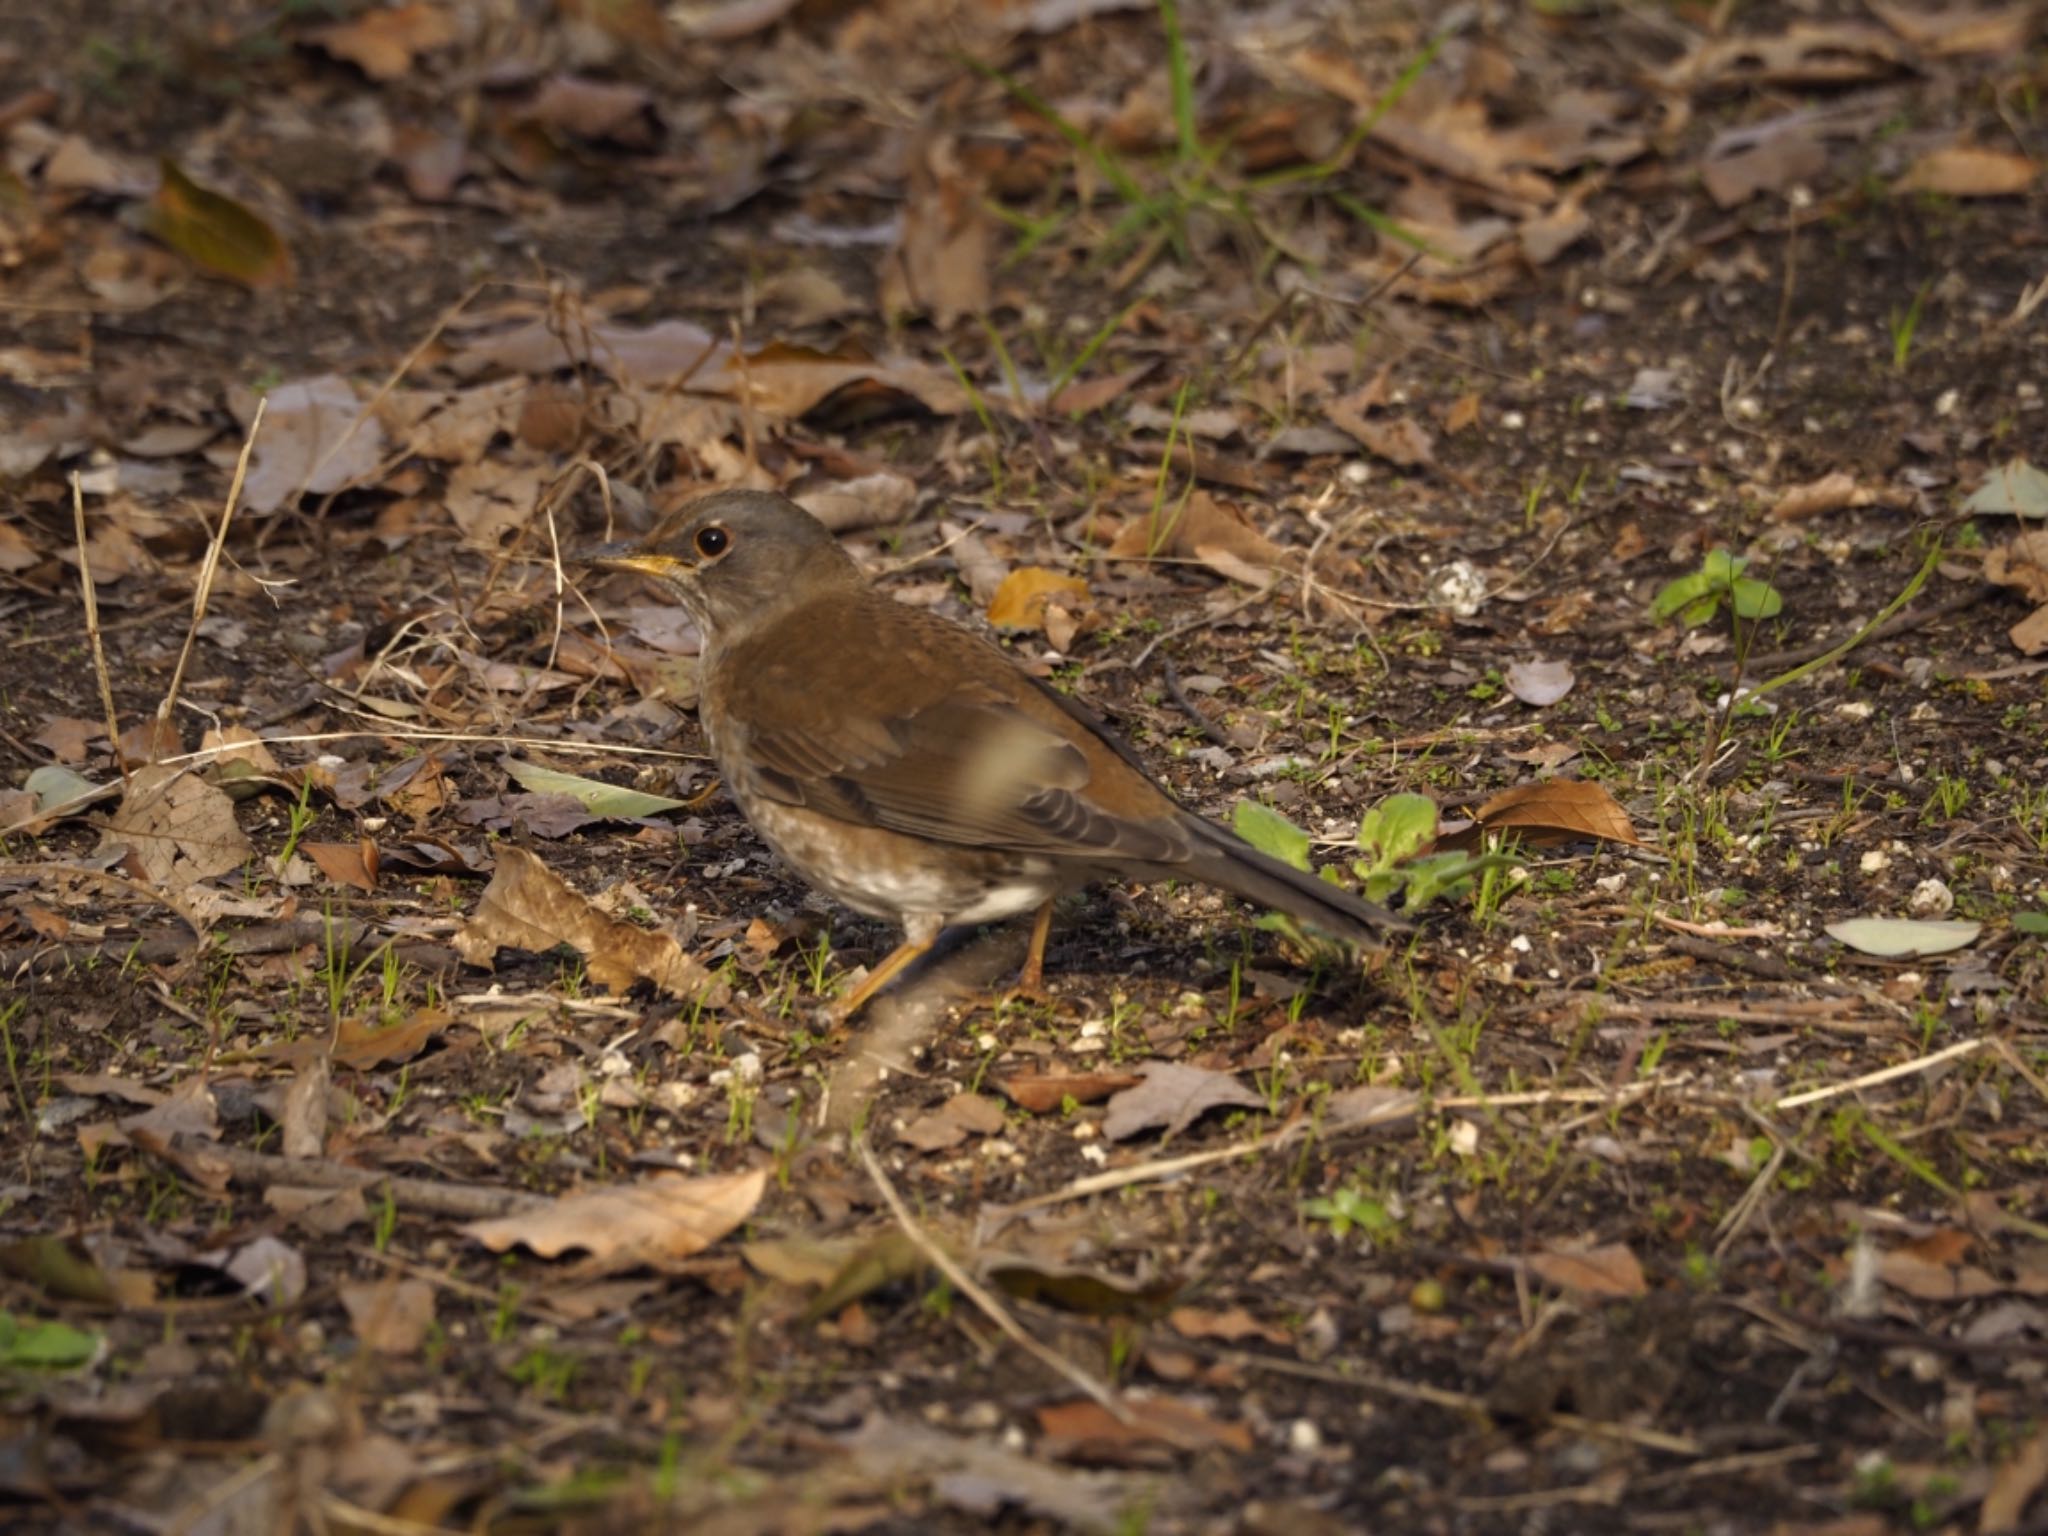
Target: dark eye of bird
point(712, 542)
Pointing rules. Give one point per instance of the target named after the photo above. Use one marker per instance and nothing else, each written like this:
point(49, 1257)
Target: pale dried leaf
point(1608, 1270)
point(527, 906)
point(1172, 1097)
point(663, 1218)
point(178, 828)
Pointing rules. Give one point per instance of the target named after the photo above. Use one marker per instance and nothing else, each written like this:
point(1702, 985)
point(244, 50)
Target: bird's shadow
point(905, 1016)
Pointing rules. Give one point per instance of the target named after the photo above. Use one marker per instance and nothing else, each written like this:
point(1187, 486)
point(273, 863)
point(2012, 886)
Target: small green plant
point(1350, 1207)
point(300, 817)
point(1697, 596)
point(1904, 324)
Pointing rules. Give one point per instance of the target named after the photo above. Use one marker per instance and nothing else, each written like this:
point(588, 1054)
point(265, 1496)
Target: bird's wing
point(965, 768)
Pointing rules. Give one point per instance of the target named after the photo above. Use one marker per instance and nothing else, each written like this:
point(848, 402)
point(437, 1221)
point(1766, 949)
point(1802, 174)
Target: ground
point(401, 1140)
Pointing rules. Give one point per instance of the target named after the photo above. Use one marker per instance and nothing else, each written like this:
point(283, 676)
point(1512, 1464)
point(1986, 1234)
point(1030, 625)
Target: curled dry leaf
point(866, 501)
point(1202, 528)
point(384, 43)
point(2022, 564)
point(664, 1218)
point(1558, 811)
point(1020, 602)
point(528, 906)
point(350, 864)
point(214, 231)
point(1044, 1093)
point(940, 265)
point(1830, 493)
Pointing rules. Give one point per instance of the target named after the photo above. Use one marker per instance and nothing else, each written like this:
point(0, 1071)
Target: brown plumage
point(905, 765)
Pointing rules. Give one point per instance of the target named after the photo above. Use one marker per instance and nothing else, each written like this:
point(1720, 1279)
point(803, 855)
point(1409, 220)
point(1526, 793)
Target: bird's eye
point(712, 542)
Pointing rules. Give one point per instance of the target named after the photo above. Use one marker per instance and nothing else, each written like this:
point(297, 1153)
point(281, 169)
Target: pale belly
point(885, 874)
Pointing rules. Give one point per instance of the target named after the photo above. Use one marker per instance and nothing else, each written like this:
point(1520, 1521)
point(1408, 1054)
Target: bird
point(906, 765)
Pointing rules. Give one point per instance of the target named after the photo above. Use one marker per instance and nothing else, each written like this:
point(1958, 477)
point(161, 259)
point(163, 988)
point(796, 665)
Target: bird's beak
point(627, 555)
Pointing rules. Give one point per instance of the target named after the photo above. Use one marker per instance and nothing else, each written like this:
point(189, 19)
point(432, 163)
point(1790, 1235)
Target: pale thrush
point(906, 765)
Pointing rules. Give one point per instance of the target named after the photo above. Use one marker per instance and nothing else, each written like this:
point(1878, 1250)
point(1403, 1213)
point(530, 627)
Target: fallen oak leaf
point(667, 1217)
point(1173, 1096)
point(528, 906)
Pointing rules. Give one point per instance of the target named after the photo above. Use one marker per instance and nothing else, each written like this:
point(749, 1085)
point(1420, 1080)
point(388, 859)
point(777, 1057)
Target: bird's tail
point(1227, 861)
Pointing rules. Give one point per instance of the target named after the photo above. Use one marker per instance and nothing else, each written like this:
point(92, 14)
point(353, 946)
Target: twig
point(1186, 705)
point(1885, 629)
point(1887, 1074)
point(208, 568)
point(432, 1196)
point(966, 1284)
point(92, 627)
point(1440, 1397)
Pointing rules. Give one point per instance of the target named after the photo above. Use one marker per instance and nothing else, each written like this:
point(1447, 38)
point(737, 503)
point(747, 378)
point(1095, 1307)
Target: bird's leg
point(1031, 979)
point(916, 941)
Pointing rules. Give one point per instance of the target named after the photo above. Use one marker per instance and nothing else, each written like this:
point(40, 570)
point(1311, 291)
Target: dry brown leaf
point(350, 864)
point(1969, 172)
point(2030, 635)
point(1085, 1429)
point(217, 232)
point(315, 440)
point(384, 43)
point(528, 906)
point(16, 553)
point(1399, 439)
point(390, 1316)
point(879, 500)
point(1172, 1097)
point(2013, 1487)
point(1953, 31)
point(666, 1217)
point(1558, 811)
point(595, 109)
point(1609, 1270)
point(238, 744)
point(1765, 158)
point(1205, 529)
point(1462, 413)
point(1232, 1325)
point(940, 263)
point(359, 1045)
point(2022, 564)
point(178, 828)
point(1932, 1278)
point(1042, 1094)
point(963, 1115)
point(1020, 602)
point(1830, 493)
point(1806, 53)
point(67, 737)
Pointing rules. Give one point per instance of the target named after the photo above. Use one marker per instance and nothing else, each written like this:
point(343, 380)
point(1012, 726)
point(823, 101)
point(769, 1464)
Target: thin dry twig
point(1884, 1075)
point(92, 626)
point(210, 566)
point(1441, 1397)
point(972, 1289)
